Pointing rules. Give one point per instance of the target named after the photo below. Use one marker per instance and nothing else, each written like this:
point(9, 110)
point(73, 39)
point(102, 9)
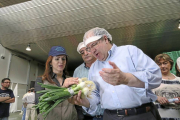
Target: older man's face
point(86, 55)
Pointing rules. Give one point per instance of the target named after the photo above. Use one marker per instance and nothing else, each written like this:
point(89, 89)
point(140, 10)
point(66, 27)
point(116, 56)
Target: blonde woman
point(168, 90)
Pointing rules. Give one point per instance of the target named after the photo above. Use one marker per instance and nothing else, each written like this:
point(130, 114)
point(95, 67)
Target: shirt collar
point(53, 75)
point(85, 66)
point(111, 52)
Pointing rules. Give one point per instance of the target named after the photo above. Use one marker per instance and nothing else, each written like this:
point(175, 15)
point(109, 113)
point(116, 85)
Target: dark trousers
point(80, 114)
point(87, 117)
point(153, 114)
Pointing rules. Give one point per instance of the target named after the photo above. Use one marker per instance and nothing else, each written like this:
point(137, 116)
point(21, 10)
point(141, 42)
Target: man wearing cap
point(124, 77)
point(82, 71)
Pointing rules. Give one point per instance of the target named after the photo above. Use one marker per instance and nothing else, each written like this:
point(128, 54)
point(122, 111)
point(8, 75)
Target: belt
point(30, 103)
point(132, 111)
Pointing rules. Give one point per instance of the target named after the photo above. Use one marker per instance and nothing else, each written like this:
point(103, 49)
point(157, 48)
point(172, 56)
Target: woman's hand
point(77, 100)
point(162, 100)
point(70, 81)
point(177, 102)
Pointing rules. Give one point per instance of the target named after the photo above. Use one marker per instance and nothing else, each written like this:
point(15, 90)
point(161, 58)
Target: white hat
point(95, 33)
point(81, 45)
point(91, 39)
point(178, 62)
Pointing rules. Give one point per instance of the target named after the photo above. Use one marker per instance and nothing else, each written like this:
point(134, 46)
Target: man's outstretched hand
point(113, 76)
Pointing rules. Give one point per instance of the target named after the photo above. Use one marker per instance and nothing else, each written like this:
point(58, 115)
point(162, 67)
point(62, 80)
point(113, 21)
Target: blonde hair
point(165, 57)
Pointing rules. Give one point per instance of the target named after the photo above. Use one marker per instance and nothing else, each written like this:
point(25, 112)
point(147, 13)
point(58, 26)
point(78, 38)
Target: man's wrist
point(87, 104)
point(125, 80)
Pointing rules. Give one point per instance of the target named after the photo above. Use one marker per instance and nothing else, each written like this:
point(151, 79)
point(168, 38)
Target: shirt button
point(113, 91)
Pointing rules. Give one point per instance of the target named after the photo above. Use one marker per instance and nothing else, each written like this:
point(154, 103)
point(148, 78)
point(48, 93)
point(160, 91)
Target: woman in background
point(169, 89)
point(55, 74)
point(177, 66)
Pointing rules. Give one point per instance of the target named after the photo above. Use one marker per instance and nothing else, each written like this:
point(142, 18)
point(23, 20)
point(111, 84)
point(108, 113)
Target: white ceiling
point(149, 24)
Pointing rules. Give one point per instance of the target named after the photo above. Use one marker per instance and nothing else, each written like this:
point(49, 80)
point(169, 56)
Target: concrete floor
point(15, 116)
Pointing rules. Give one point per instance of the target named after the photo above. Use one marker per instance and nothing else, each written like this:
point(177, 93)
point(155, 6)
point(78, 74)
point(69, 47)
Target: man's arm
point(147, 75)
point(116, 77)
point(2, 99)
point(88, 104)
point(24, 99)
point(132, 81)
point(11, 100)
point(147, 70)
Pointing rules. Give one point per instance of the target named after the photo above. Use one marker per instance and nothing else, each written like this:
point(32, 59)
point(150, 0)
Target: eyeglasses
point(82, 52)
point(7, 82)
point(93, 45)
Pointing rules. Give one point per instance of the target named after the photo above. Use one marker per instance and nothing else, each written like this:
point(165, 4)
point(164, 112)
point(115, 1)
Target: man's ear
point(106, 39)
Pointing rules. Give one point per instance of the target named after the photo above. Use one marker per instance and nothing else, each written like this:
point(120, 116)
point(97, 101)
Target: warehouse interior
point(151, 25)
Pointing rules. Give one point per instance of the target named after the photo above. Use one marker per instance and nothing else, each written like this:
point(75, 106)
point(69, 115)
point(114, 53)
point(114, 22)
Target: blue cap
point(57, 50)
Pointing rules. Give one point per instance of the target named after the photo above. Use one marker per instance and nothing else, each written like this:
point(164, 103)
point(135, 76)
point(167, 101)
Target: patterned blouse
point(169, 89)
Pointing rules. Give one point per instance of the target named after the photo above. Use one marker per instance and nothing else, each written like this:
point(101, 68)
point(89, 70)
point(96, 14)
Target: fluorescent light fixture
point(28, 47)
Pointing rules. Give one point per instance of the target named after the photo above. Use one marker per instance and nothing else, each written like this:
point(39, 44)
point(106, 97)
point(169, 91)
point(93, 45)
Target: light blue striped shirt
point(132, 60)
point(81, 72)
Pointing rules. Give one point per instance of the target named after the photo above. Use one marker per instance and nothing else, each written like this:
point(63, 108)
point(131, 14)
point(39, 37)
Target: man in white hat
point(124, 77)
point(178, 67)
point(80, 72)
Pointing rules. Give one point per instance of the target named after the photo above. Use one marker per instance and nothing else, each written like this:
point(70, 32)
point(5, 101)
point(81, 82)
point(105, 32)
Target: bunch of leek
point(55, 95)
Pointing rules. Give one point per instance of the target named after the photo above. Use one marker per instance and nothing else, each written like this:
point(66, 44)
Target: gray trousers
point(153, 114)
